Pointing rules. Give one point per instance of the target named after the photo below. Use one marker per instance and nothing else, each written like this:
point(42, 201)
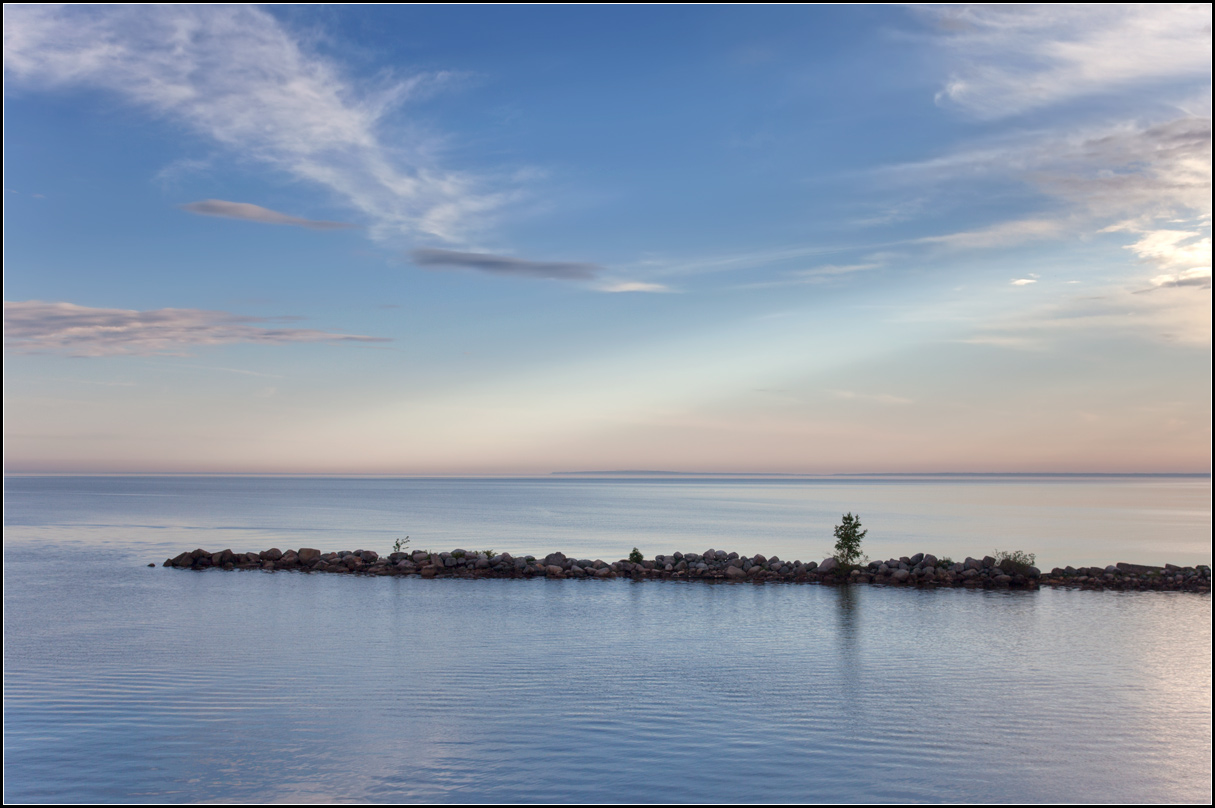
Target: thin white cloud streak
point(838, 269)
point(235, 75)
point(256, 213)
point(632, 286)
point(1023, 281)
point(1005, 341)
point(34, 326)
point(999, 235)
point(815, 275)
point(736, 261)
point(875, 398)
point(238, 371)
point(1180, 316)
point(1013, 58)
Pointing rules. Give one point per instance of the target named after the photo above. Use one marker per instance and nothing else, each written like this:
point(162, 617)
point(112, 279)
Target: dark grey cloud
point(256, 213)
point(1200, 282)
point(33, 326)
point(1183, 280)
point(503, 265)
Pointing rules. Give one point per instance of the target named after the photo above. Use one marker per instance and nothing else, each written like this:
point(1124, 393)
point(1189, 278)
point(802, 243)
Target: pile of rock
point(1133, 576)
point(921, 569)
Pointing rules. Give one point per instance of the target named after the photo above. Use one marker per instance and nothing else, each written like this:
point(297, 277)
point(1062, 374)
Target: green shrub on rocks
point(1014, 561)
point(400, 544)
point(848, 541)
point(636, 557)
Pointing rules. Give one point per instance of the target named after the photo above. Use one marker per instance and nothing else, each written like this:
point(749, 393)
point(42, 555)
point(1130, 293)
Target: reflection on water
point(129, 683)
point(138, 684)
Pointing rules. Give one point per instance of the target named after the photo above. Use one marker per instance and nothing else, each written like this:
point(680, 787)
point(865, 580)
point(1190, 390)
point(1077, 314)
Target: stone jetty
point(919, 570)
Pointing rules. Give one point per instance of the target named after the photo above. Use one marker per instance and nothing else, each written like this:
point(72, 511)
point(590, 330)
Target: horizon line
point(607, 473)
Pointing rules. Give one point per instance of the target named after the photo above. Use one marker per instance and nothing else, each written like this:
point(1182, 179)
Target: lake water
point(125, 683)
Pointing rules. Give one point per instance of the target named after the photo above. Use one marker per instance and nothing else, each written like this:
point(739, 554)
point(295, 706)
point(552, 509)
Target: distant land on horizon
point(656, 473)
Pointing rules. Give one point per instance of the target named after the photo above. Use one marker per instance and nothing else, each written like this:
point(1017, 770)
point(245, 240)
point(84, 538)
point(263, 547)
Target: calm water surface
point(129, 683)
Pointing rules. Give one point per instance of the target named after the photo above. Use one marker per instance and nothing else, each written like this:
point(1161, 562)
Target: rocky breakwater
point(920, 570)
point(1124, 576)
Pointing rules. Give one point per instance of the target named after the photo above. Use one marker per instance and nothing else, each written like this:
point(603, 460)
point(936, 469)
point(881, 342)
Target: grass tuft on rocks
point(1014, 561)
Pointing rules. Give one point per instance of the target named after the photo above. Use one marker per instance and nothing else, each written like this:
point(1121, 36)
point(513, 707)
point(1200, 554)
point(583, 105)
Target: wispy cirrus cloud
point(1151, 181)
point(1122, 172)
point(256, 213)
point(1013, 58)
point(1137, 170)
point(235, 75)
point(34, 326)
point(1111, 170)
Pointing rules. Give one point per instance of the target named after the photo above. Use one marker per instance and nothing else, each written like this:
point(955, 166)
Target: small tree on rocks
point(848, 540)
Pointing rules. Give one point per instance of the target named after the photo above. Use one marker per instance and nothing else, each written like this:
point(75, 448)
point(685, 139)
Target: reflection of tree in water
point(847, 601)
point(847, 629)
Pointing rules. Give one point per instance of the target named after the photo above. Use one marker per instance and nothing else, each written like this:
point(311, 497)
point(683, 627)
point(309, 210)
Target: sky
point(525, 239)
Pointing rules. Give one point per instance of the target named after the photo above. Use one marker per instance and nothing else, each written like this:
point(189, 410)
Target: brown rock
point(1137, 569)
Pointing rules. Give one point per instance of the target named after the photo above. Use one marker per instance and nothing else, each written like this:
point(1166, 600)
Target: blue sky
point(523, 239)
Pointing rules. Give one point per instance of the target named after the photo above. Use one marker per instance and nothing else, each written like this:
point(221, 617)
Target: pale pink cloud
point(34, 326)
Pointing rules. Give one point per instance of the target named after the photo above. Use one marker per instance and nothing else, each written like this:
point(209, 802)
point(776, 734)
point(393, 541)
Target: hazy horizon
point(611, 473)
point(512, 240)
